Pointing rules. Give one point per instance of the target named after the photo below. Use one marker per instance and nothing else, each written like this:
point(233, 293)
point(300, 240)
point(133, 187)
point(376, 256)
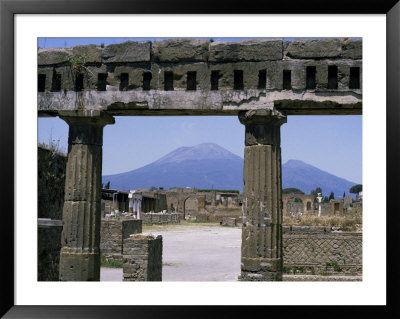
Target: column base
point(261, 269)
point(79, 265)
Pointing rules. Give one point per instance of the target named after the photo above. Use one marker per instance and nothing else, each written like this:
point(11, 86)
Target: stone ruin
point(261, 81)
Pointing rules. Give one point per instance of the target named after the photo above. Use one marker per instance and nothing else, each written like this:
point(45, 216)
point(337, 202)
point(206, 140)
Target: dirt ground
point(194, 252)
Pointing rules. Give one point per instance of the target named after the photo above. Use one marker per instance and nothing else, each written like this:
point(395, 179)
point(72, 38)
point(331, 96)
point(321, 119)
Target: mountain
point(307, 177)
point(209, 166)
point(205, 165)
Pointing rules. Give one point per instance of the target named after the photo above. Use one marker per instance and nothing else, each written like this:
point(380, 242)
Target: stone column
point(262, 207)
point(80, 239)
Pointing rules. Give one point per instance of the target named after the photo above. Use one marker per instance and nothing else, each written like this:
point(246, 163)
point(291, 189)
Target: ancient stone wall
point(49, 246)
point(51, 183)
point(114, 231)
point(228, 221)
point(142, 258)
point(318, 250)
point(183, 76)
point(157, 218)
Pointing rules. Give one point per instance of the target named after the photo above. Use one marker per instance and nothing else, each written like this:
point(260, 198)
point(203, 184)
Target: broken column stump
point(142, 258)
point(262, 207)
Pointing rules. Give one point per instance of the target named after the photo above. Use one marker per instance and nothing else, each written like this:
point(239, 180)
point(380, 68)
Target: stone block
point(352, 49)
point(180, 74)
point(49, 246)
point(53, 56)
point(311, 49)
point(248, 50)
point(127, 52)
point(180, 50)
point(90, 53)
point(142, 258)
point(113, 232)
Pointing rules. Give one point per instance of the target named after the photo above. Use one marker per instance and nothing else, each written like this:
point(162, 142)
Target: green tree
point(292, 190)
point(344, 195)
point(107, 186)
point(331, 196)
point(356, 189)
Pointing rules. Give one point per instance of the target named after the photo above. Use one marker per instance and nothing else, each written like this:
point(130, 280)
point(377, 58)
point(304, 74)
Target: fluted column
point(80, 239)
point(262, 208)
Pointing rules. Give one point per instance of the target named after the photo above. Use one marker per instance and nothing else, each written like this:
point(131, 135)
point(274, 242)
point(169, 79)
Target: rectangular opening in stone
point(238, 80)
point(332, 77)
point(287, 80)
point(262, 79)
point(124, 81)
point(214, 80)
point(147, 76)
point(354, 78)
point(41, 82)
point(191, 81)
point(310, 77)
point(168, 81)
point(79, 82)
point(56, 82)
point(101, 81)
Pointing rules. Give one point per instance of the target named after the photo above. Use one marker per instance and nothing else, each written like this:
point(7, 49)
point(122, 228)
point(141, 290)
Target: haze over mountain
point(208, 165)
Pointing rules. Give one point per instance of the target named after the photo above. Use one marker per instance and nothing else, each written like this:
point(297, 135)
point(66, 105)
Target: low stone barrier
point(202, 218)
point(321, 251)
point(114, 231)
point(228, 221)
point(160, 218)
point(142, 258)
point(49, 246)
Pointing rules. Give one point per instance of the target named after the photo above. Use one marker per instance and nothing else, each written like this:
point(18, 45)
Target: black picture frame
point(8, 9)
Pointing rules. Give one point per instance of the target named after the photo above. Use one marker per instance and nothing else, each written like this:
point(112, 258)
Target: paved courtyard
point(194, 253)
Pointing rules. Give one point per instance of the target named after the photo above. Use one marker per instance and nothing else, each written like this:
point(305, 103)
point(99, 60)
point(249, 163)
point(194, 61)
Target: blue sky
point(331, 143)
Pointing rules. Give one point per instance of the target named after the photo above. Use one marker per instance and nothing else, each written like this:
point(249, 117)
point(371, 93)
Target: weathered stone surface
point(248, 50)
point(243, 75)
point(310, 49)
point(113, 233)
point(79, 265)
point(127, 52)
point(53, 56)
point(142, 258)
point(316, 250)
point(49, 246)
point(352, 49)
point(160, 218)
point(262, 208)
point(180, 50)
point(262, 126)
point(80, 239)
point(89, 53)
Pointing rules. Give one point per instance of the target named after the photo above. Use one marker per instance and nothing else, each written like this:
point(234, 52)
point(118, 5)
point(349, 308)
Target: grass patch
point(348, 222)
point(334, 265)
point(110, 262)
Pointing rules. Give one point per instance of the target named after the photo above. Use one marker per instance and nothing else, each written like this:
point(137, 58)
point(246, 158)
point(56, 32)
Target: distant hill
point(209, 166)
point(202, 166)
point(307, 177)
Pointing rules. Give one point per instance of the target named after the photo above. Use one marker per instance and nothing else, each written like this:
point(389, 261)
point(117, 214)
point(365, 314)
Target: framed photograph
point(23, 23)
